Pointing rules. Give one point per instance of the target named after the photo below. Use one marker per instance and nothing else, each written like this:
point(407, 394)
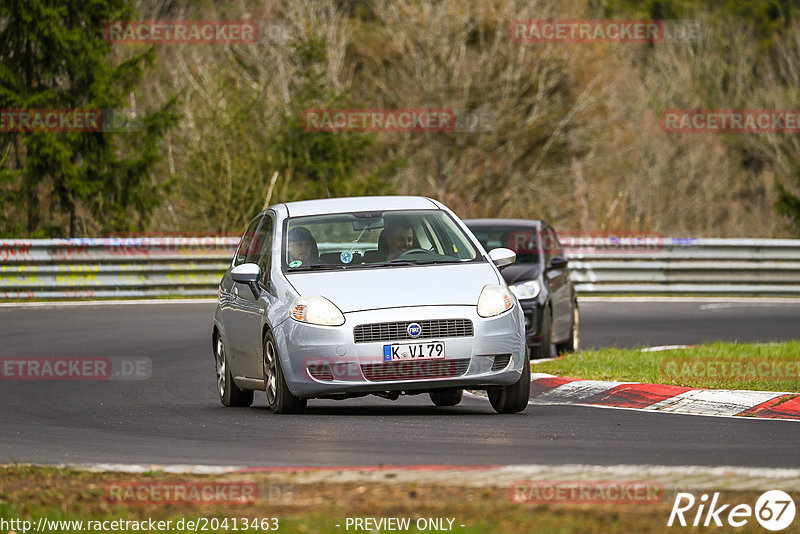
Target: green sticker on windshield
point(296, 263)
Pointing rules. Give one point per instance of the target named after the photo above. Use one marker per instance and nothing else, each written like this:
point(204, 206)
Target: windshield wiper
point(388, 263)
point(316, 267)
point(412, 262)
point(438, 260)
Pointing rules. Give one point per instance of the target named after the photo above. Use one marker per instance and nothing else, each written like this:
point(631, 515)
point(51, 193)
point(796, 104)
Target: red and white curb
point(549, 389)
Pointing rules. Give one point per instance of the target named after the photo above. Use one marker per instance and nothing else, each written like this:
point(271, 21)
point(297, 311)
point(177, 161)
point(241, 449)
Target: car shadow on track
point(381, 407)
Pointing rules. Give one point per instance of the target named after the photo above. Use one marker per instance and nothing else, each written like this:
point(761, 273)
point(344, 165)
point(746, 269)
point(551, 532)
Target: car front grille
point(435, 328)
point(500, 362)
point(415, 369)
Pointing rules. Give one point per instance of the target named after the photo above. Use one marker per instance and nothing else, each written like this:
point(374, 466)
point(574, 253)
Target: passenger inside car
point(303, 246)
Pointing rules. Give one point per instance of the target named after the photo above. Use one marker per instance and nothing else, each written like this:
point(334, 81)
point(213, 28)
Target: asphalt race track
point(175, 417)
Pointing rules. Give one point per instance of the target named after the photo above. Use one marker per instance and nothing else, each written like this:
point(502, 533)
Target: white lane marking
point(625, 470)
point(543, 360)
point(659, 348)
point(737, 305)
point(576, 391)
point(62, 303)
point(746, 300)
point(537, 376)
point(713, 401)
point(195, 469)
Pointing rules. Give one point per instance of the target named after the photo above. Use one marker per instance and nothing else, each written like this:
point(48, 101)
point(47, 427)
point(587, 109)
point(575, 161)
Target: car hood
point(520, 272)
point(392, 287)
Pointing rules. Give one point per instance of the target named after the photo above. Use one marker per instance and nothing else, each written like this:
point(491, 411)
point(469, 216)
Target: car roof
point(533, 223)
point(349, 204)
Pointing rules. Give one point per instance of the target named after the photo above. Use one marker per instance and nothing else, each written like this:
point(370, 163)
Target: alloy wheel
point(270, 375)
point(221, 365)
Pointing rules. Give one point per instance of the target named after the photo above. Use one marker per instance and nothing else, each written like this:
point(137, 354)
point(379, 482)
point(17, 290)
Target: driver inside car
point(399, 238)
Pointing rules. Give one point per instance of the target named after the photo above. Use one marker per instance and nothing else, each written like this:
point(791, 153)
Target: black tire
point(229, 393)
point(545, 348)
point(446, 397)
point(513, 398)
point(279, 398)
point(573, 343)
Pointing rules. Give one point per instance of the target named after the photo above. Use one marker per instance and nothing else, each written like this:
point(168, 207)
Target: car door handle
point(236, 291)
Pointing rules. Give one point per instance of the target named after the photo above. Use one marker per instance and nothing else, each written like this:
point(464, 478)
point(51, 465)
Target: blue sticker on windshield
point(296, 263)
point(346, 256)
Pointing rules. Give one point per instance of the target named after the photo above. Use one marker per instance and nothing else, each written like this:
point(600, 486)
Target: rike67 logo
point(774, 510)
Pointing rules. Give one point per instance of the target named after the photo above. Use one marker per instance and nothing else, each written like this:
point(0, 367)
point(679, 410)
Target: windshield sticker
point(295, 263)
point(346, 256)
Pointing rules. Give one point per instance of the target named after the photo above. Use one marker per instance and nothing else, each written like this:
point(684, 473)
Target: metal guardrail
point(113, 267)
point(186, 266)
point(689, 266)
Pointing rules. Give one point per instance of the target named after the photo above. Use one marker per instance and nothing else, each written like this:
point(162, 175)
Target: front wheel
point(513, 398)
point(279, 398)
point(229, 392)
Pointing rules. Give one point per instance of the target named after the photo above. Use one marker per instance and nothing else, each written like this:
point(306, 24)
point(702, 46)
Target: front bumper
point(532, 310)
point(322, 360)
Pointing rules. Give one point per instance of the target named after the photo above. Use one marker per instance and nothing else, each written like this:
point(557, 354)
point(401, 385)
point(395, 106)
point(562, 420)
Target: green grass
point(761, 366)
point(30, 493)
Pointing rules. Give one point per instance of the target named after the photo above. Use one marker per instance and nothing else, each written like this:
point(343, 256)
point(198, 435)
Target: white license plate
point(428, 350)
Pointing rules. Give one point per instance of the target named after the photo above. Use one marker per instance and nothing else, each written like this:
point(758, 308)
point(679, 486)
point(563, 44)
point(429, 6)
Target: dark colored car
point(540, 280)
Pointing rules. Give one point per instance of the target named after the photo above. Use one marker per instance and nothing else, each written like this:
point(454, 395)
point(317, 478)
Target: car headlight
point(316, 310)
point(526, 290)
point(494, 300)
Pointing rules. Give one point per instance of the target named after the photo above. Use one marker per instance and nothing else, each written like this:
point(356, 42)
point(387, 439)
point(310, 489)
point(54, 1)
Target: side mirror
point(557, 262)
point(502, 257)
point(248, 273)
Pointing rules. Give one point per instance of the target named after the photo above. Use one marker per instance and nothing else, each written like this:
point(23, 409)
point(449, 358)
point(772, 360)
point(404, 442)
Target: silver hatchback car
point(347, 297)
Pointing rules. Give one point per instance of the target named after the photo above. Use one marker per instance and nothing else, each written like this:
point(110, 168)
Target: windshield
point(524, 240)
point(375, 239)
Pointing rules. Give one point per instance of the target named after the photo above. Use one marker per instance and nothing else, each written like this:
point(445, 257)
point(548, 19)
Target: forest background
point(566, 132)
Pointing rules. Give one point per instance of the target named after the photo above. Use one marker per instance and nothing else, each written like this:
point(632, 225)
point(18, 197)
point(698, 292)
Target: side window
point(262, 249)
point(243, 252)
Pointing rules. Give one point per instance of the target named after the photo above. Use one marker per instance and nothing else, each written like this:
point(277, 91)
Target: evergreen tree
point(53, 56)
